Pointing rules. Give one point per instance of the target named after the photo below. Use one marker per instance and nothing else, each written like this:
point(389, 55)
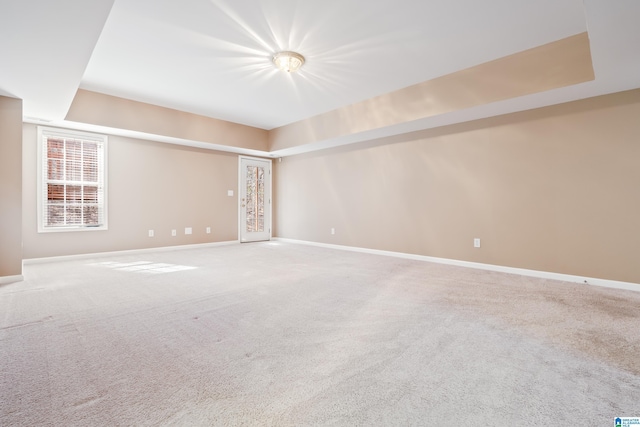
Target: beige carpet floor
point(293, 335)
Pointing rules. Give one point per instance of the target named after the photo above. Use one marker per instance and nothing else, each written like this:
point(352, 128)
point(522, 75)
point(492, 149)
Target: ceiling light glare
point(288, 61)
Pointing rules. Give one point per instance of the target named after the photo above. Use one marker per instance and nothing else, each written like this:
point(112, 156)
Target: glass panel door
point(254, 205)
point(255, 199)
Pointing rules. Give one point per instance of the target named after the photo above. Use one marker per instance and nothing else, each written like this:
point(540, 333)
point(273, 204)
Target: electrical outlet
point(333, 230)
point(230, 193)
point(476, 243)
point(174, 233)
point(151, 233)
point(208, 230)
point(188, 230)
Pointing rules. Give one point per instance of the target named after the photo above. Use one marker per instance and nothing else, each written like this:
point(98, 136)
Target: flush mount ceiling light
point(288, 61)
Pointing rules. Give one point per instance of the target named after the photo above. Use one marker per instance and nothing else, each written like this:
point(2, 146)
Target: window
point(71, 180)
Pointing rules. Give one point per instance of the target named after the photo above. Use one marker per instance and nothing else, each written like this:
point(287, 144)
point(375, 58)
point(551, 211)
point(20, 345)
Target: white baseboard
point(127, 252)
point(5, 280)
point(503, 269)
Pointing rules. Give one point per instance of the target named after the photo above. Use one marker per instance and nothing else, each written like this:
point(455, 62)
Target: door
point(255, 199)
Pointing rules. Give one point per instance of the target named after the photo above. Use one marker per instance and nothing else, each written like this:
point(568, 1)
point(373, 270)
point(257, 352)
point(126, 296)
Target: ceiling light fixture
point(288, 61)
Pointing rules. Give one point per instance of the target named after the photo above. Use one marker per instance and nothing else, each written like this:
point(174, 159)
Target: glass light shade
point(288, 61)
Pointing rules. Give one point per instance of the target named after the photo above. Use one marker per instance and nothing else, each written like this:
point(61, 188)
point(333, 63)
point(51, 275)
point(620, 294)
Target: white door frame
point(268, 197)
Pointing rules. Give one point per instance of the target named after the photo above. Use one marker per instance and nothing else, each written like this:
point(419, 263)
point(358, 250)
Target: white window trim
point(67, 133)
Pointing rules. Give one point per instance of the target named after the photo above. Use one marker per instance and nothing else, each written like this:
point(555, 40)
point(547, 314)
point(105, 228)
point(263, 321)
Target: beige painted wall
point(554, 189)
point(561, 63)
point(111, 111)
point(151, 185)
point(10, 187)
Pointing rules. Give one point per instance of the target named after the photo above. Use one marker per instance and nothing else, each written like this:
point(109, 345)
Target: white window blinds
point(72, 184)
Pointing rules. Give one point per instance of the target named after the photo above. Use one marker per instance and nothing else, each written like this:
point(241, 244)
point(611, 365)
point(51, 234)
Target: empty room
point(297, 213)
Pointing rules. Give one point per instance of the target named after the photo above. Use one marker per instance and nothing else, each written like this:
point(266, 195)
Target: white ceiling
point(212, 57)
point(45, 47)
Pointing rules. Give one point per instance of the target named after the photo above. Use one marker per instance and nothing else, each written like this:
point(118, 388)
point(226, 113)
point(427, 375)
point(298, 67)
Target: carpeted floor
point(293, 335)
